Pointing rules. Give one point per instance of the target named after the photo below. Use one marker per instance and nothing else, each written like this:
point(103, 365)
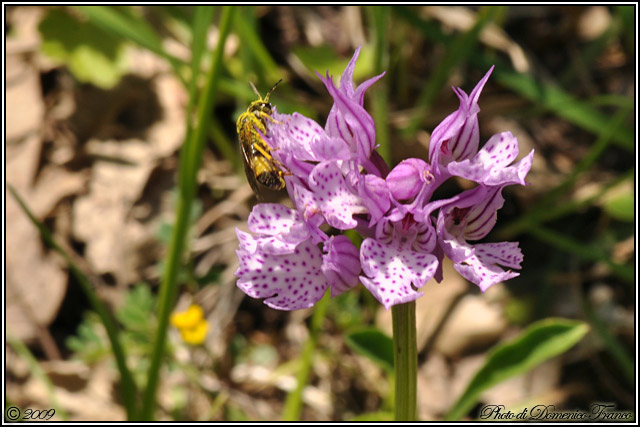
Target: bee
point(261, 168)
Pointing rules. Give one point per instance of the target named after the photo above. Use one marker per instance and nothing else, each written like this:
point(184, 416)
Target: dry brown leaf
point(474, 323)
point(85, 394)
point(25, 108)
point(36, 284)
point(434, 391)
point(462, 19)
point(103, 218)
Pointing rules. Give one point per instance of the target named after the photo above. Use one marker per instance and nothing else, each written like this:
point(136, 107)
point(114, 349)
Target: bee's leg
point(268, 117)
point(266, 153)
point(283, 169)
point(263, 149)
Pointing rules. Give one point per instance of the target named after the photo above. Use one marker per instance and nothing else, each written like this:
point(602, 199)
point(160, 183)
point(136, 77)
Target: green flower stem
point(293, 404)
point(405, 360)
point(190, 159)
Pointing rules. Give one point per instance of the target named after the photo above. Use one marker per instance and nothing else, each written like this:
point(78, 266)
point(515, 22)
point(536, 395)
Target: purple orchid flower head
point(337, 181)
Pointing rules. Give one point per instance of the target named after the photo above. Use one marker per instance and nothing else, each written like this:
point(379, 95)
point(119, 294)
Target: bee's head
point(262, 105)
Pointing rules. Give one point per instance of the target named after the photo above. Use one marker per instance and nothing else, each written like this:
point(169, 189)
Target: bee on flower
point(337, 181)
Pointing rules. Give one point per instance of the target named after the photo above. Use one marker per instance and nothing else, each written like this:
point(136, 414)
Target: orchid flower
point(337, 181)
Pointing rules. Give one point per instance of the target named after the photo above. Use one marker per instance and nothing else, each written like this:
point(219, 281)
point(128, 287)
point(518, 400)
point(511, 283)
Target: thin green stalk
point(380, 18)
point(405, 361)
point(616, 349)
point(36, 370)
point(129, 392)
point(460, 49)
point(247, 31)
point(546, 205)
point(202, 17)
point(293, 404)
point(191, 156)
point(586, 252)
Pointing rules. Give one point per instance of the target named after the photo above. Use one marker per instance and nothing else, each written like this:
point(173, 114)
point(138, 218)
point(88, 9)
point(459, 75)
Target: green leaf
point(137, 310)
point(92, 55)
point(374, 416)
point(124, 23)
point(620, 207)
point(90, 343)
point(538, 343)
point(373, 344)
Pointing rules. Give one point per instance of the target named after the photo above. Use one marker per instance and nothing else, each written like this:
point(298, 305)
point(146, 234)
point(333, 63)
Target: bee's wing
point(248, 156)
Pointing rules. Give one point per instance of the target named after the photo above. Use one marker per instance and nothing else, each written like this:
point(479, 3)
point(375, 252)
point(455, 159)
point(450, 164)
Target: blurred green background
point(101, 100)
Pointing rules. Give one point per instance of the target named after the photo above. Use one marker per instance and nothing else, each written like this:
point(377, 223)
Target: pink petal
point(341, 264)
point(482, 270)
point(391, 272)
point(288, 282)
point(337, 202)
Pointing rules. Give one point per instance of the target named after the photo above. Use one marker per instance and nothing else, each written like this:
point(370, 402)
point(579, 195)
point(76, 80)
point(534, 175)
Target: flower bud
point(407, 178)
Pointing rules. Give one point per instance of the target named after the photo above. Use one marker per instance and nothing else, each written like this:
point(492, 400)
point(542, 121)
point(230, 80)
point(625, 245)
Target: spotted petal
point(282, 228)
point(391, 272)
point(288, 282)
point(337, 202)
point(491, 165)
point(294, 134)
point(482, 267)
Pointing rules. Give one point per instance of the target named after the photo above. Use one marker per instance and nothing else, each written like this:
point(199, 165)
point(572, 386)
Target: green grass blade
point(374, 344)
point(539, 342)
point(611, 343)
point(247, 32)
point(202, 18)
point(556, 211)
point(379, 15)
point(293, 404)
point(36, 370)
point(550, 97)
point(545, 207)
point(459, 50)
point(129, 392)
point(563, 104)
point(192, 154)
point(589, 253)
point(130, 28)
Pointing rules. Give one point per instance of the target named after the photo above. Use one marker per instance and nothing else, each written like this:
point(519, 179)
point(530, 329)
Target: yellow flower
point(187, 319)
point(192, 325)
point(197, 334)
